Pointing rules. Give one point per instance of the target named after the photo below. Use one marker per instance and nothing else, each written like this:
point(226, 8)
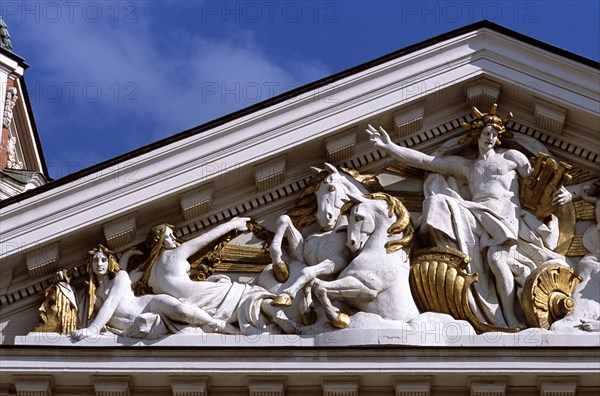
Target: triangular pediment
point(256, 162)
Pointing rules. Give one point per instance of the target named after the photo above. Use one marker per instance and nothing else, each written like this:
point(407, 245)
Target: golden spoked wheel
point(547, 294)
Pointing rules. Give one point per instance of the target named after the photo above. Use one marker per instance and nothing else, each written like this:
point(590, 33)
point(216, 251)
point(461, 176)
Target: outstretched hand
point(239, 223)
point(379, 138)
point(80, 334)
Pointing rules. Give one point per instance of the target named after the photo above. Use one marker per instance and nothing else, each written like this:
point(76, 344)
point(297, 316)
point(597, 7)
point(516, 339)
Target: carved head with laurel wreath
point(481, 121)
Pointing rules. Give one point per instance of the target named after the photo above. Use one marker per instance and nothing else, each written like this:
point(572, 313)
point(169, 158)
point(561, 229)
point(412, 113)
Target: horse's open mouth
point(356, 248)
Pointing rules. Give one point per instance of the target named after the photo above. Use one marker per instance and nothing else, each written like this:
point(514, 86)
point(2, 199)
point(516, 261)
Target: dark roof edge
point(537, 43)
point(298, 91)
point(13, 173)
point(36, 136)
point(15, 57)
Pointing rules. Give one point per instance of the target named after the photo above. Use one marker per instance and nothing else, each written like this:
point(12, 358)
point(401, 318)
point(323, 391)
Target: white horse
point(321, 245)
point(376, 281)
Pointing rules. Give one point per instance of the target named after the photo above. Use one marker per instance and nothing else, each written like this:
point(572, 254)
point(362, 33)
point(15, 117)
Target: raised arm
point(450, 166)
point(127, 255)
point(121, 285)
point(186, 249)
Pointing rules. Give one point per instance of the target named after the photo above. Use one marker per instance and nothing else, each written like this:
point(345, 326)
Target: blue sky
point(107, 77)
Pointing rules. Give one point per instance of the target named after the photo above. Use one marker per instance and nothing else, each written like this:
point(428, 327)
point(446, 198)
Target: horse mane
point(304, 213)
point(403, 224)
point(369, 181)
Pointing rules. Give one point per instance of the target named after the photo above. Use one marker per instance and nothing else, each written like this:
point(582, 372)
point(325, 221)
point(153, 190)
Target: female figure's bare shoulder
point(122, 277)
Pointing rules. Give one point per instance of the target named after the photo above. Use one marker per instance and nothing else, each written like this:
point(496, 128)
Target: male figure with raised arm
point(487, 224)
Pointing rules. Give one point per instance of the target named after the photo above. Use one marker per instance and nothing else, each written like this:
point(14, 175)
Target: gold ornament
point(547, 294)
point(537, 191)
point(226, 256)
point(482, 120)
point(58, 313)
point(439, 282)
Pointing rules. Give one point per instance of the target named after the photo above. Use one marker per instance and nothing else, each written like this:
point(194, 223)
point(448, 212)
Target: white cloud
point(153, 83)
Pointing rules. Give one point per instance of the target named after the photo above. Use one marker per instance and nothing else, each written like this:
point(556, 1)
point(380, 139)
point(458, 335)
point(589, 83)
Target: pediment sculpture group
point(483, 250)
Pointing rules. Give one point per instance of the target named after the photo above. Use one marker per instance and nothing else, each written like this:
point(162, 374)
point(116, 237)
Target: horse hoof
point(342, 321)
point(282, 300)
point(281, 272)
point(308, 318)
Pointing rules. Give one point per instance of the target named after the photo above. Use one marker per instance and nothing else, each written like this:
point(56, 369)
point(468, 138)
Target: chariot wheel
point(547, 294)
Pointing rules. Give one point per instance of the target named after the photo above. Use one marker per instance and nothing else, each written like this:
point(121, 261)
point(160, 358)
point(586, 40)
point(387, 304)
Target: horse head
point(370, 215)
point(361, 222)
point(376, 280)
point(331, 193)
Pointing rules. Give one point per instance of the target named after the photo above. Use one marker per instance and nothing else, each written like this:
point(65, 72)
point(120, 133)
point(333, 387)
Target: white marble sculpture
point(586, 295)
point(376, 280)
point(112, 304)
point(319, 247)
point(166, 271)
point(486, 221)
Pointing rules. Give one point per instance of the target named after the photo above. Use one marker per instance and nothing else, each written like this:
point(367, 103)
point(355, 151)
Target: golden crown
point(482, 120)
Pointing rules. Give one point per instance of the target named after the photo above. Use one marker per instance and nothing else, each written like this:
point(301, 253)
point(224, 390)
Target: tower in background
point(22, 165)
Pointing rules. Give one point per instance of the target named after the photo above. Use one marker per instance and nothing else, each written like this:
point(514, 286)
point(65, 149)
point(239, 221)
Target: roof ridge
point(4, 36)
